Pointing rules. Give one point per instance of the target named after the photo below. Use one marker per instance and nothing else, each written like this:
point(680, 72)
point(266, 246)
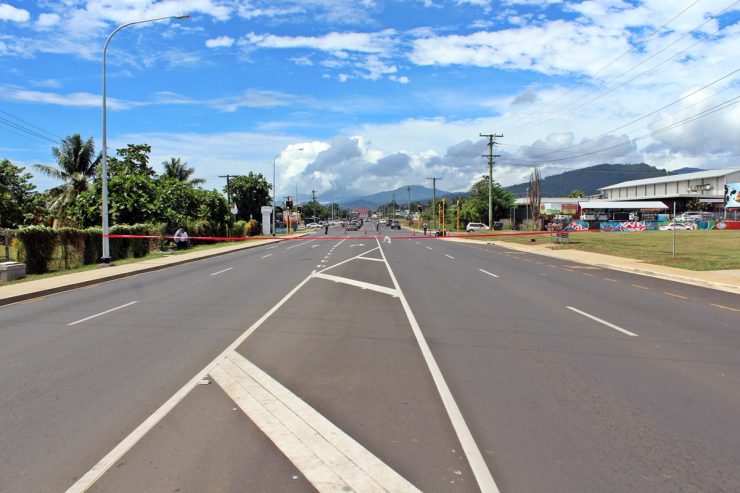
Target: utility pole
point(408, 191)
point(434, 199)
point(228, 188)
point(491, 142)
point(393, 204)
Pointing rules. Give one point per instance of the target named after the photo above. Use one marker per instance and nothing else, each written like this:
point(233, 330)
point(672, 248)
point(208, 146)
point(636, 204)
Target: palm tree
point(178, 170)
point(76, 166)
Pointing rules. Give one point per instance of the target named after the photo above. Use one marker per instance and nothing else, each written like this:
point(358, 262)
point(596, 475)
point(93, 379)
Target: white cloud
point(48, 20)
point(13, 14)
point(334, 42)
point(74, 99)
point(220, 42)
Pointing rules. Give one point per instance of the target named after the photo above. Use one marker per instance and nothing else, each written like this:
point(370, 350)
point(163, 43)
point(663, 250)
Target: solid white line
point(602, 321)
point(329, 458)
point(472, 452)
point(350, 259)
point(101, 313)
point(264, 256)
point(300, 243)
point(486, 272)
point(368, 258)
point(359, 284)
point(86, 481)
point(449, 256)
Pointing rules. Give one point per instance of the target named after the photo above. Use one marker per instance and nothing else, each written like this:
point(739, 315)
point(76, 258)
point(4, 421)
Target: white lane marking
point(299, 244)
point(314, 246)
point(449, 256)
point(489, 273)
point(101, 313)
point(472, 452)
point(329, 458)
point(357, 244)
point(418, 243)
point(226, 270)
point(86, 481)
point(350, 259)
point(274, 246)
point(368, 258)
point(429, 248)
point(359, 284)
point(602, 321)
point(268, 255)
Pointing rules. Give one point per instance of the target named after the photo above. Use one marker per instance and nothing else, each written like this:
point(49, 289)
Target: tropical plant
point(249, 193)
point(178, 170)
point(18, 198)
point(76, 165)
point(475, 207)
point(576, 194)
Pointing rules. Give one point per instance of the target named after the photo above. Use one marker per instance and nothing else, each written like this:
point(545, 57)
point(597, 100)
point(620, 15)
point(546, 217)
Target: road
point(359, 363)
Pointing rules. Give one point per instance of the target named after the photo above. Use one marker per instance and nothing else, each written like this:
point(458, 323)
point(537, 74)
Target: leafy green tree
point(178, 170)
point(475, 207)
point(76, 165)
point(249, 193)
point(576, 194)
point(17, 196)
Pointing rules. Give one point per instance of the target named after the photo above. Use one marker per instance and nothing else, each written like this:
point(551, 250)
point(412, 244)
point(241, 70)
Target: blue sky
point(355, 97)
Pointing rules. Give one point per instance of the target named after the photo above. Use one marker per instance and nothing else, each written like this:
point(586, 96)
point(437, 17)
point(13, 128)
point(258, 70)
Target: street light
point(274, 187)
point(105, 260)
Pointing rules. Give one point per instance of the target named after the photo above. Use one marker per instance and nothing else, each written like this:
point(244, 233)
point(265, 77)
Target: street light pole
point(105, 260)
point(274, 184)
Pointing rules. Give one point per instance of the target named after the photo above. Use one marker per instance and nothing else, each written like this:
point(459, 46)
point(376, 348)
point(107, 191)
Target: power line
point(27, 131)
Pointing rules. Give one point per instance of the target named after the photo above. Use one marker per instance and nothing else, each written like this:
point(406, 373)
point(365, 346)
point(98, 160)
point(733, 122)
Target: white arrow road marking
point(329, 458)
point(101, 313)
point(602, 321)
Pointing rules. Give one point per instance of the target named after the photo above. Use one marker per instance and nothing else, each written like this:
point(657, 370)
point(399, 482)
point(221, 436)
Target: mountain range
point(587, 180)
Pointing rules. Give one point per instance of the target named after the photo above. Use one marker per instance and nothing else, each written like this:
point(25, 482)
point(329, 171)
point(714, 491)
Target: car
point(677, 226)
point(395, 225)
point(475, 227)
point(353, 226)
point(313, 225)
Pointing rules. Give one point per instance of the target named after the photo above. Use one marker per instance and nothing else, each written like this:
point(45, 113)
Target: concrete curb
point(186, 258)
point(618, 265)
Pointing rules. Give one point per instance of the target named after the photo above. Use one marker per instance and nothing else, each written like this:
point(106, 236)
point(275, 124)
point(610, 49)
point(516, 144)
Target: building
point(707, 187)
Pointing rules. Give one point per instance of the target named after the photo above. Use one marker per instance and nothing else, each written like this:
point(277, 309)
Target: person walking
point(425, 228)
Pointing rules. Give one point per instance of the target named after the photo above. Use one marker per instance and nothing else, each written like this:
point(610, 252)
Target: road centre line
point(90, 477)
point(723, 307)
point(639, 287)
point(602, 321)
point(329, 458)
point(676, 295)
point(449, 256)
point(489, 273)
point(101, 313)
point(610, 279)
point(477, 464)
point(226, 270)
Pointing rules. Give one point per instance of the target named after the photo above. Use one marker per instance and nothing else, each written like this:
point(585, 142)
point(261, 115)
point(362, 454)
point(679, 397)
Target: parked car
point(677, 226)
point(395, 225)
point(475, 227)
point(313, 225)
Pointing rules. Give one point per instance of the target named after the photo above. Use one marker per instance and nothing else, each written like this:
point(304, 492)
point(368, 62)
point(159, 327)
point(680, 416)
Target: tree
point(17, 196)
point(534, 194)
point(576, 194)
point(475, 207)
point(76, 165)
point(249, 193)
point(178, 170)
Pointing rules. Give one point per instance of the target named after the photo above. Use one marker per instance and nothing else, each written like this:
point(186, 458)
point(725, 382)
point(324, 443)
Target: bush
point(38, 244)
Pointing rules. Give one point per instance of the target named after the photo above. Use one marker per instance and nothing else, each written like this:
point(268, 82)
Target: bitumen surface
point(723, 280)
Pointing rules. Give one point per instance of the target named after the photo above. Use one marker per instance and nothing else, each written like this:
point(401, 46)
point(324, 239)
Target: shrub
point(38, 244)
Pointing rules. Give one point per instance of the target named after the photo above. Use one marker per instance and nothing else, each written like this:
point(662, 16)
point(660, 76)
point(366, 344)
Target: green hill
point(589, 180)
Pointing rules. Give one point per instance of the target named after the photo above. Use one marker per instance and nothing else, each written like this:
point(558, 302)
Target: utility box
point(10, 271)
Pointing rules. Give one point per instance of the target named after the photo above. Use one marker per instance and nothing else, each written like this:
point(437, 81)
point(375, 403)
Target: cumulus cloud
point(220, 42)
point(13, 14)
point(334, 42)
point(48, 20)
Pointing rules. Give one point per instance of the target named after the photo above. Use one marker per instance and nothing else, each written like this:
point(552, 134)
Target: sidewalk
point(723, 280)
point(20, 291)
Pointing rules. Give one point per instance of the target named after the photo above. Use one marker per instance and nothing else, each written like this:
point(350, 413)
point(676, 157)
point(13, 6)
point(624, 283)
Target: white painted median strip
point(359, 284)
point(329, 458)
point(101, 313)
point(226, 270)
point(470, 448)
point(489, 273)
point(602, 321)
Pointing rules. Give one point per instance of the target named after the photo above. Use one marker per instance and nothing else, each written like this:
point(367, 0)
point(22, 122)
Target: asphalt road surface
point(372, 362)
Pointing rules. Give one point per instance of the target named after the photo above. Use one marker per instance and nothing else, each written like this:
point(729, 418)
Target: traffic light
point(300, 209)
point(418, 207)
point(289, 204)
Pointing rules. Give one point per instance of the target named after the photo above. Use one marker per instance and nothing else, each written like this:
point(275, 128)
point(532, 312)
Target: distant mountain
point(589, 180)
point(418, 193)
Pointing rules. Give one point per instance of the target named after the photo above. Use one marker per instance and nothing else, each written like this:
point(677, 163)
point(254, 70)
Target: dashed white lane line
point(477, 464)
point(226, 270)
point(489, 273)
point(429, 248)
point(449, 256)
point(329, 458)
point(101, 313)
point(271, 247)
point(620, 329)
point(268, 255)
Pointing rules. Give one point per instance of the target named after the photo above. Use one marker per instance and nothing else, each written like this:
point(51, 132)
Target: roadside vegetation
point(695, 250)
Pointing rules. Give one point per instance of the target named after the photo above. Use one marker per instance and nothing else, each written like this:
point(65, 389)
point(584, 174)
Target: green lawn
point(695, 250)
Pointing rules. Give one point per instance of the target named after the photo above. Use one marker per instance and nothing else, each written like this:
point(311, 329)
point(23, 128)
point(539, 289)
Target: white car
point(677, 226)
point(313, 225)
point(475, 227)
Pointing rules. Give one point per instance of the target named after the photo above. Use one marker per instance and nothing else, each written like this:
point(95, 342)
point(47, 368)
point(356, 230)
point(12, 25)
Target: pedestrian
point(326, 229)
point(181, 239)
point(425, 228)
